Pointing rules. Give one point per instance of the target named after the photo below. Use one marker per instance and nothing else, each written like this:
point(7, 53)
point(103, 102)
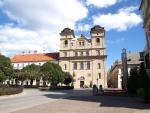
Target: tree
point(21, 76)
point(52, 72)
point(34, 71)
point(68, 78)
point(6, 69)
point(133, 81)
point(144, 81)
point(2, 76)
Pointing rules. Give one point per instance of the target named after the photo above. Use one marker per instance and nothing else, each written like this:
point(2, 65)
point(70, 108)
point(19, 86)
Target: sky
point(28, 25)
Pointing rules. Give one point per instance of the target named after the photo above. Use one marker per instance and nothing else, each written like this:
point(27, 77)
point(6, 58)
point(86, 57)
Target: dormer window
point(80, 43)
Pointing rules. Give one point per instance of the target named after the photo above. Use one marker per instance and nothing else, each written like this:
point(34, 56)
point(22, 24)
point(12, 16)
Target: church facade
point(84, 58)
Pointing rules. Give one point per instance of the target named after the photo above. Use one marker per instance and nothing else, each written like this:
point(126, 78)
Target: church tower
point(66, 36)
point(99, 51)
point(84, 58)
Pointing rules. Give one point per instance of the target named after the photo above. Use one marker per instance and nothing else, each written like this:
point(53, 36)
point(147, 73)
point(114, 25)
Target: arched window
point(97, 40)
point(65, 67)
point(66, 43)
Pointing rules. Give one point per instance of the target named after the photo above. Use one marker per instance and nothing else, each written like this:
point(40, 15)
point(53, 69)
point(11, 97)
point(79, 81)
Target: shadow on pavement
point(104, 101)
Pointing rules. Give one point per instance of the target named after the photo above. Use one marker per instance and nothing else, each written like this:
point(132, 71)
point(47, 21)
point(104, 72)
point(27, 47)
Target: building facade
point(115, 74)
point(22, 60)
point(145, 8)
point(84, 58)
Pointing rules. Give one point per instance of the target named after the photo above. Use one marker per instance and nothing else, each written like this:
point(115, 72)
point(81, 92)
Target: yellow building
point(84, 58)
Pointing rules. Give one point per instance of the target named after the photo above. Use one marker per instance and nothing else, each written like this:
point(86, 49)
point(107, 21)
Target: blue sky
point(28, 25)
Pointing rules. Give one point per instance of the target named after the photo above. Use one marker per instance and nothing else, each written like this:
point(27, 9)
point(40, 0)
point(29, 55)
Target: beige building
point(84, 58)
point(145, 7)
point(115, 73)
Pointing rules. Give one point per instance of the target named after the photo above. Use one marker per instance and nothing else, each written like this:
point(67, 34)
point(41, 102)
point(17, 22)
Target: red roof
point(36, 57)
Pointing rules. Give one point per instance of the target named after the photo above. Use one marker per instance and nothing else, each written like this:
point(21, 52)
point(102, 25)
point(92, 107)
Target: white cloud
point(122, 20)
point(39, 23)
point(102, 3)
point(84, 27)
point(18, 39)
point(37, 14)
point(129, 9)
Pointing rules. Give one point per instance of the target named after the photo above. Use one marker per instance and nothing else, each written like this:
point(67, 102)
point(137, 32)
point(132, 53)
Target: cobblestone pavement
point(84, 102)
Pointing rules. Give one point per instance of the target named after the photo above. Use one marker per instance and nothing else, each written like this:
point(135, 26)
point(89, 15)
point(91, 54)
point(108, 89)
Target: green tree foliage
point(139, 79)
point(21, 76)
point(133, 81)
point(68, 78)
point(52, 72)
point(144, 81)
point(6, 69)
point(34, 71)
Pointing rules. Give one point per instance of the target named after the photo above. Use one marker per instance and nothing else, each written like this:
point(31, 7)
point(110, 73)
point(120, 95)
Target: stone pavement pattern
point(86, 103)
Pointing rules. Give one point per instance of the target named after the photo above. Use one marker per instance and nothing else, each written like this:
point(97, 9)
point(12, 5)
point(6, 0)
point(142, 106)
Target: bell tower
point(66, 36)
point(65, 40)
point(97, 36)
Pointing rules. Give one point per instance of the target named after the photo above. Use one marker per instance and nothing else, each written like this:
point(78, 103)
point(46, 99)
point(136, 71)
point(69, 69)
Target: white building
point(22, 60)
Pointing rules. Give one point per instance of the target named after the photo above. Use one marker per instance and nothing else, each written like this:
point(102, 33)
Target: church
point(83, 58)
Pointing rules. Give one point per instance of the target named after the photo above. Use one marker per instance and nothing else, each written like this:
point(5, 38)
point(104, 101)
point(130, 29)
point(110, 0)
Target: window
point(79, 43)
point(65, 54)
point(75, 65)
point(81, 66)
point(99, 75)
point(97, 41)
point(87, 53)
point(88, 65)
point(65, 67)
point(82, 43)
point(99, 65)
point(98, 52)
point(66, 43)
point(81, 53)
point(76, 53)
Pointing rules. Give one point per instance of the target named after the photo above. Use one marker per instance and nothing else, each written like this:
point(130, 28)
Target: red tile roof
point(36, 57)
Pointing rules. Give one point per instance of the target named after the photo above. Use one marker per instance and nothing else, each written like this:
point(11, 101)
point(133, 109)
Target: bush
point(9, 90)
point(30, 86)
point(140, 92)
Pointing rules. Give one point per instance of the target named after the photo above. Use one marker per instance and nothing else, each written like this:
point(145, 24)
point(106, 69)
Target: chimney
point(35, 51)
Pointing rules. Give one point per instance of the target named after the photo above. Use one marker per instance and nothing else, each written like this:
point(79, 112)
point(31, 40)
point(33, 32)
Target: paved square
point(84, 102)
